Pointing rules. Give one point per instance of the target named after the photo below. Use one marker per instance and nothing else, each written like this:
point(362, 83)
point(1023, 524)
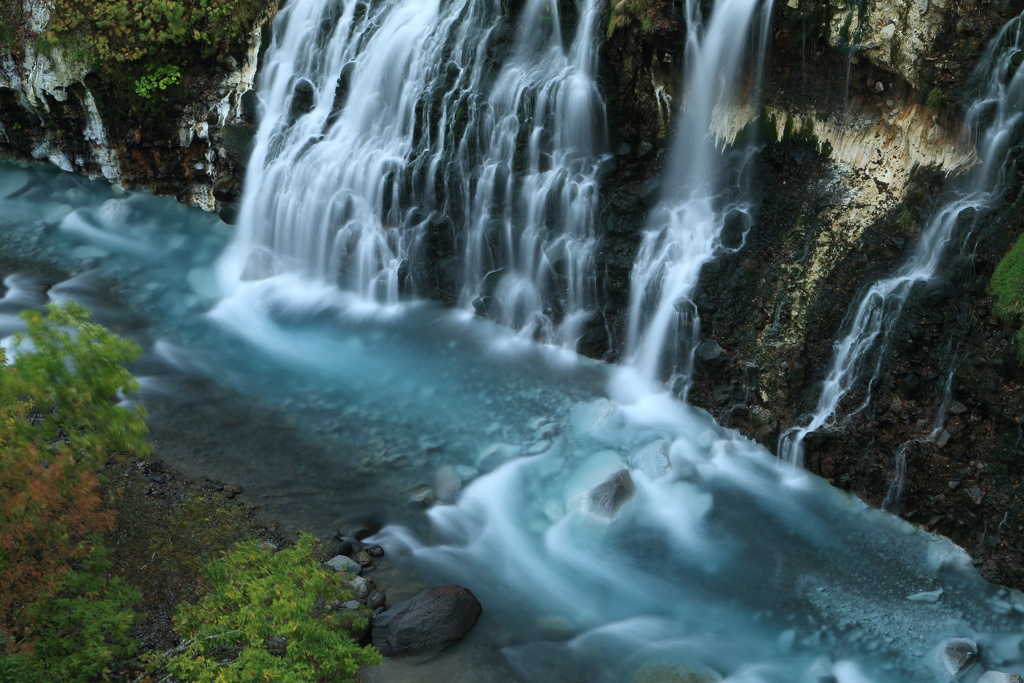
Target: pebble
point(423, 497)
point(375, 599)
point(467, 473)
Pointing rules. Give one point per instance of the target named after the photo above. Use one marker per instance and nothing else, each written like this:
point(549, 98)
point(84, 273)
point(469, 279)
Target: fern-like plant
point(270, 615)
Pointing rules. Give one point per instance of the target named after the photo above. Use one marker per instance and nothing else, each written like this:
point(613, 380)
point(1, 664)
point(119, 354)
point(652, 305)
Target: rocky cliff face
point(191, 142)
point(861, 119)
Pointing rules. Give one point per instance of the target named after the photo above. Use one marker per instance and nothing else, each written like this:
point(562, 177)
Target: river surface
point(712, 557)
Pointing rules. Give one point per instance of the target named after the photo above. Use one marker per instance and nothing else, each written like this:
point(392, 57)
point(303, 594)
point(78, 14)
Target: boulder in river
point(605, 499)
point(427, 623)
point(957, 655)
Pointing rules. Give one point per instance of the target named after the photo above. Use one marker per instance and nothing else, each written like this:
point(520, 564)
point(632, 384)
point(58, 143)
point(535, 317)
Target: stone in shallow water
point(422, 497)
point(674, 673)
point(926, 596)
point(495, 455)
point(607, 498)
point(958, 655)
point(652, 459)
point(427, 623)
point(447, 484)
point(360, 586)
point(999, 677)
point(467, 473)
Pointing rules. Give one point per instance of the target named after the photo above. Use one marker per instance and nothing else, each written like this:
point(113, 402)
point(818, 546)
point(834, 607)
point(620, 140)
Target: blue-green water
point(331, 412)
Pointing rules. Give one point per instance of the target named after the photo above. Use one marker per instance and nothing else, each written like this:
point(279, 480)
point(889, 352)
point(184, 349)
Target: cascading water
point(703, 192)
point(345, 160)
point(529, 254)
point(993, 123)
point(377, 129)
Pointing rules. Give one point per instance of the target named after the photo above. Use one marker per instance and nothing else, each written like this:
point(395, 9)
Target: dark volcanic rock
point(427, 623)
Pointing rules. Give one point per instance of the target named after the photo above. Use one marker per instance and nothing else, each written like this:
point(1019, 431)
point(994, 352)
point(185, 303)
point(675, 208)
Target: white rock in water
point(927, 596)
point(999, 677)
point(652, 459)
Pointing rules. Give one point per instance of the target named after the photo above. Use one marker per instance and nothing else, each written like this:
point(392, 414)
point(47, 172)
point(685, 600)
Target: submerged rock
point(447, 484)
point(957, 655)
point(674, 673)
point(652, 459)
point(926, 596)
point(999, 677)
point(427, 623)
point(607, 498)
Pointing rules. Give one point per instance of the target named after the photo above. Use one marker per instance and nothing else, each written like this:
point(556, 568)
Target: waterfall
point(703, 193)
point(992, 122)
point(338, 183)
point(529, 255)
point(384, 122)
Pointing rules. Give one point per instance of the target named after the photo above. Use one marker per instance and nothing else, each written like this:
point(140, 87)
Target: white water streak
point(701, 194)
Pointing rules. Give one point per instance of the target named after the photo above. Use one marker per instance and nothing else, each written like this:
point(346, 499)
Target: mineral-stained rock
point(427, 623)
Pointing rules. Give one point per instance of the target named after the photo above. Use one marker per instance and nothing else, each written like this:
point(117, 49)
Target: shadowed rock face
point(191, 142)
point(427, 623)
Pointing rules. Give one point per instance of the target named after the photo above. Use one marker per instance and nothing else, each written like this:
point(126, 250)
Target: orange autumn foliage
point(59, 423)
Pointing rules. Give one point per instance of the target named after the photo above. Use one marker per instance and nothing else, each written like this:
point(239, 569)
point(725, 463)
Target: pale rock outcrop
point(894, 35)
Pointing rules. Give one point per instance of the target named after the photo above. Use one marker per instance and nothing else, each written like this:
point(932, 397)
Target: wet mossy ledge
point(151, 93)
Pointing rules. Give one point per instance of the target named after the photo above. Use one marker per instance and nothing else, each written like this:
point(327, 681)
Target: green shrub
point(1007, 289)
point(156, 78)
point(262, 601)
point(60, 422)
point(139, 47)
point(80, 626)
